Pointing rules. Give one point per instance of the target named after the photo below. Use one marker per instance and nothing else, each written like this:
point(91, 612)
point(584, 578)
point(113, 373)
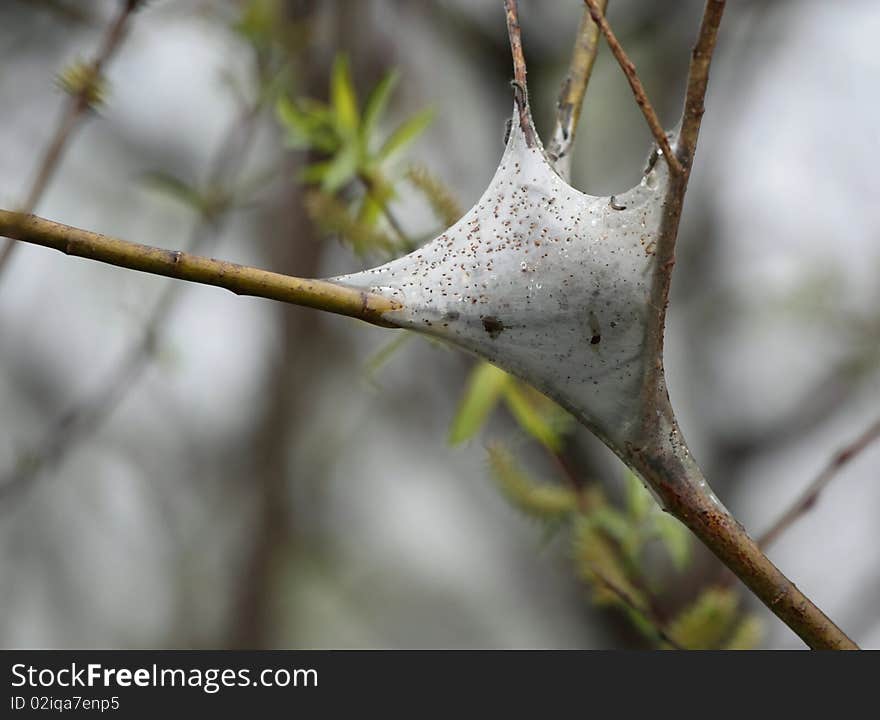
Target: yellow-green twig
point(240, 279)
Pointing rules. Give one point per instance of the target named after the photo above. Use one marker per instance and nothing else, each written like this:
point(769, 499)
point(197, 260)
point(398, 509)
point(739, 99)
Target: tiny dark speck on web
point(595, 339)
point(493, 326)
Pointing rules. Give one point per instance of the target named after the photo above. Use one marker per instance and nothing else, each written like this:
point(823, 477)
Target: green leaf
point(376, 104)
point(343, 97)
point(706, 623)
point(612, 522)
point(540, 500)
point(598, 562)
point(676, 538)
point(306, 128)
point(342, 169)
point(537, 415)
point(638, 500)
point(484, 389)
point(369, 212)
point(314, 173)
point(405, 134)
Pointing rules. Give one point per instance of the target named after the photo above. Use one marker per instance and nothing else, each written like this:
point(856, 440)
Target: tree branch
point(810, 496)
point(658, 451)
point(519, 70)
point(629, 69)
point(240, 279)
point(698, 81)
point(76, 107)
point(571, 95)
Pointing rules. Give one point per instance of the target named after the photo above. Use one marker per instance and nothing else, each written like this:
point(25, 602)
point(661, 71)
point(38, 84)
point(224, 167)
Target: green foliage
point(540, 500)
point(333, 216)
point(484, 388)
point(351, 152)
point(265, 25)
point(712, 622)
point(344, 134)
point(598, 561)
point(538, 416)
point(650, 522)
point(80, 79)
point(675, 537)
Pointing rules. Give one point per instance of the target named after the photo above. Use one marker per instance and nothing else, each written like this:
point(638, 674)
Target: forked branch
point(629, 69)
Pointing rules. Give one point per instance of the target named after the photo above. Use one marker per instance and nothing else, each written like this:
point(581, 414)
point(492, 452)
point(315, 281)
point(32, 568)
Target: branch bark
point(240, 279)
point(659, 453)
point(574, 88)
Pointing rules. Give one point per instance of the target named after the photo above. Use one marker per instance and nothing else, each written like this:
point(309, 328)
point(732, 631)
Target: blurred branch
point(75, 109)
point(571, 95)
point(698, 80)
point(629, 69)
point(240, 279)
point(87, 415)
point(811, 494)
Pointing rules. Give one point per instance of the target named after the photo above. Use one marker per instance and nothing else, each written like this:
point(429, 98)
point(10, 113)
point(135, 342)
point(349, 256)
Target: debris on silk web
point(544, 281)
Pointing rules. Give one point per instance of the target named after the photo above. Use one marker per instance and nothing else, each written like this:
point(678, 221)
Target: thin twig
point(519, 71)
point(698, 80)
point(75, 109)
point(571, 95)
point(629, 69)
point(810, 496)
point(240, 279)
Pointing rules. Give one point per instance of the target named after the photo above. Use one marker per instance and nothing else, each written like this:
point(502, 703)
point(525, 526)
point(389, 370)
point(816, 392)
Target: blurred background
point(185, 468)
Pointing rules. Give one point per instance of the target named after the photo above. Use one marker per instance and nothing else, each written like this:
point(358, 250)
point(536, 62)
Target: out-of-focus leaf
point(539, 416)
point(405, 134)
point(314, 173)
point(747, 635)
point(342, 169)
point(306, 128)
point(484, 388)
point(370, 211)
point(376, 104)
point(540, 500)
point(612, 522)
point(343, 97)
point(598, 562)
point(707, 622)
point(638, 500)
point(676, 538)
point(332, 216)
point(174, 188)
